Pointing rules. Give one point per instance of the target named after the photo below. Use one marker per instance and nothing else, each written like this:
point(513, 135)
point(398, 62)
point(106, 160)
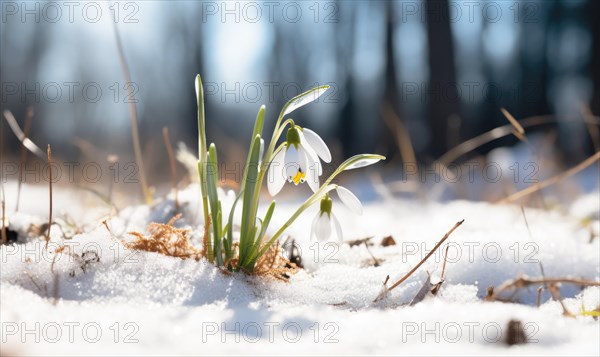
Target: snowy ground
point(145, 303)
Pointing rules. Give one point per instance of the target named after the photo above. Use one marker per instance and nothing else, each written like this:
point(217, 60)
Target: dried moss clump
point(166, 239)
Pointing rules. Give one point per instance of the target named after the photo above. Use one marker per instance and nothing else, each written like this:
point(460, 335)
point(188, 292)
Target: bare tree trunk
point(391, 96)
point(595, 64)
point(443, 100)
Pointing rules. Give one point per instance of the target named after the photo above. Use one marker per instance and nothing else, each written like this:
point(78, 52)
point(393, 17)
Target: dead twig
point(167, 140)
point(50, 192)
point(551, 181)
point(407, 275)
point(437, 286)
point(445, 260)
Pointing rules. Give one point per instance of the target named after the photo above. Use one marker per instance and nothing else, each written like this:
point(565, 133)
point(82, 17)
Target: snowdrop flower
point(298, 161)
point(325, 219)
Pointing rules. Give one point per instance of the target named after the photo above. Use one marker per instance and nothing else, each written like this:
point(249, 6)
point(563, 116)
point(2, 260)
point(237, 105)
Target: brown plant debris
point(274, 264)
point(388, 241)
point(357, 242)
point(515, 333)
point(165, 239)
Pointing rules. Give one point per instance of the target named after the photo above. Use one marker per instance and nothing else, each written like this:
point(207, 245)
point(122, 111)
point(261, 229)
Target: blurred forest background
point(440, 69)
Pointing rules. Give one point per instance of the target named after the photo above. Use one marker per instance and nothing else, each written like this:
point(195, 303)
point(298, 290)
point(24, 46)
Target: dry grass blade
point(167, 140)
point(588, 117)
point(437, 286)
point(30, 145)
point(135, 137)
point(396, 125)
point(523, 281)
point(50, 192)
point(166, 239)
point(518, 128)
point(500, 132)
point(23, 153)
point(551, 181)
point(445, 261)
point(437, 246)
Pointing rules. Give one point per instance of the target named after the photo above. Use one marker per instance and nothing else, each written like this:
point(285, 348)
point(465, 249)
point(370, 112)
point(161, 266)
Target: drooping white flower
point(321, 225)
point(297, 161)
point(325, 219)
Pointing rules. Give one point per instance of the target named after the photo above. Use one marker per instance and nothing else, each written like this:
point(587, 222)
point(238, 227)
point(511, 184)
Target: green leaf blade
point(248, 206)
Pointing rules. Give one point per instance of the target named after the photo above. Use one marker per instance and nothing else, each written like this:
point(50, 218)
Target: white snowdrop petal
point(303, 159)
point(338, 228)
point(318, 168)
point(349, 200)
point(312, 156)
point(275, 175)
point(291, 162)
point(313, 226)
point(312, 179)
point(323, 227)
point(311, 171)
point(317, 144)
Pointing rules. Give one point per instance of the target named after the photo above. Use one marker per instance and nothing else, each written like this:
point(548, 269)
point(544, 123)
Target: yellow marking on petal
point(300, 176)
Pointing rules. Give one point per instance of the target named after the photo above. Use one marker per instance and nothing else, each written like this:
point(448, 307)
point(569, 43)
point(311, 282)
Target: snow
point(131, 302)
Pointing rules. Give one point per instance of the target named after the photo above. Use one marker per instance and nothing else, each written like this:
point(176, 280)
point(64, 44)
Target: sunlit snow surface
point(145, 303)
